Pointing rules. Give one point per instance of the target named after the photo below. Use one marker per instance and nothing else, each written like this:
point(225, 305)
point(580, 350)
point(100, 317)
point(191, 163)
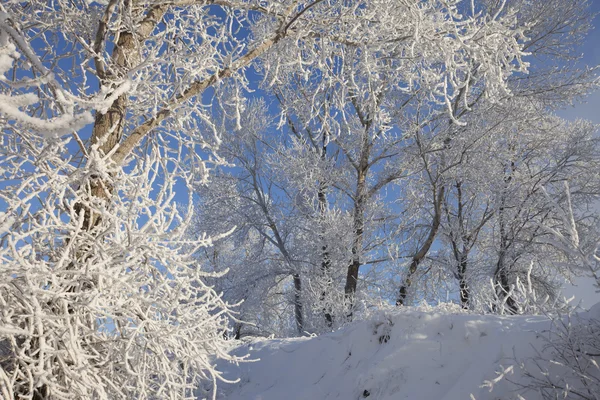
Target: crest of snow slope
point(436, 353)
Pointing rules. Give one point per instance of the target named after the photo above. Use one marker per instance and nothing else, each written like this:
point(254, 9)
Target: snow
point(440, 353)
point(9, 107)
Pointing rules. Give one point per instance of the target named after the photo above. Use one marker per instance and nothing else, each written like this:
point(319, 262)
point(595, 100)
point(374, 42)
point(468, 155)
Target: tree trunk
point(298, 314)
point(325, 261)
point(462, 280)
point(503, 291)
point(237, 328)
point(360, 205)
point(502, 281)
point(501, 275)
point(461, 258)
point(357, 240)
point(422, 252)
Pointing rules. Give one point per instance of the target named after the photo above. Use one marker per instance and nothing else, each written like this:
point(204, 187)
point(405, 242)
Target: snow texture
point(425, 353)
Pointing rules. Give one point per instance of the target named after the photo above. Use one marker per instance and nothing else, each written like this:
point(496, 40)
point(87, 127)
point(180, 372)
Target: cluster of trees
point(362, 186)
point(565, 365)
point(347, 142)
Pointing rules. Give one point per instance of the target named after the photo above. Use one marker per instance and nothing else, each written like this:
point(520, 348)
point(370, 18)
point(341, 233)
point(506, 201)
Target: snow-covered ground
point(436, 353)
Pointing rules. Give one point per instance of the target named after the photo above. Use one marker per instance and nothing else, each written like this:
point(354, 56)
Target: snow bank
point(437, 353)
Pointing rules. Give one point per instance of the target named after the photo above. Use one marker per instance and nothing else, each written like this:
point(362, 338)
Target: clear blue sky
point(590, 109)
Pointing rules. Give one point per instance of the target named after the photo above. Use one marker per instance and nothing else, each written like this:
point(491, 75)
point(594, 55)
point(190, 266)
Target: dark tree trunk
point(327, 283)
point(357, 241)
point(238, 331)
point(325, 260)
point(424, 249)
point(462, 260)
point(298, 304)
point(412, 269)
point(502, 277)
point(462, 281)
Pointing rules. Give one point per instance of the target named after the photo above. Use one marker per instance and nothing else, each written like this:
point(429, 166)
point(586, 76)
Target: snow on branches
point(115, 311)
point(100, 294)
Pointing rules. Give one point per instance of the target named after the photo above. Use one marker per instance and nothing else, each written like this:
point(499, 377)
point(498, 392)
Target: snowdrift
point(439, 353)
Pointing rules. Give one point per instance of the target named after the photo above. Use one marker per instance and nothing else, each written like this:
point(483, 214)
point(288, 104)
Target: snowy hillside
point(438, 353)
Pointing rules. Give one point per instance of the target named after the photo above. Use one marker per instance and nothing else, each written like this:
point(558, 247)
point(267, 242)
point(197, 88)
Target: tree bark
point(462, 258)
point(424, 249)
point(325, 261)
point(502, 278)
point(357, 240)
point(298, 309)
point(501, 275)
point(462, 280)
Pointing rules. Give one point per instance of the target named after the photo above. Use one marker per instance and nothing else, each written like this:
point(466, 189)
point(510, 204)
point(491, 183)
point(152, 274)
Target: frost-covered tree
point(99, 295)
point(368, 105)
point(248, 196)
point(109, 116)
point(494, 204)
point(371, 120)
point(106, 109)
point(343, 175)
point(573, 230)
point(536, 155)
point(338, 95)
point(566, 364)
point(554, 30)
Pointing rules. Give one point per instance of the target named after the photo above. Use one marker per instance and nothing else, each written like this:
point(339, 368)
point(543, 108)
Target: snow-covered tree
point(100, 294)
point(446, 148)
point(567, 364)
point(113, 111)
point(353, 92)
point(362, 122)
point(574, 235)
point(369, 106)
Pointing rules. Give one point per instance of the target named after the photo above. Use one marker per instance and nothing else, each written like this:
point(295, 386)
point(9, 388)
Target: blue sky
point(590, 109)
